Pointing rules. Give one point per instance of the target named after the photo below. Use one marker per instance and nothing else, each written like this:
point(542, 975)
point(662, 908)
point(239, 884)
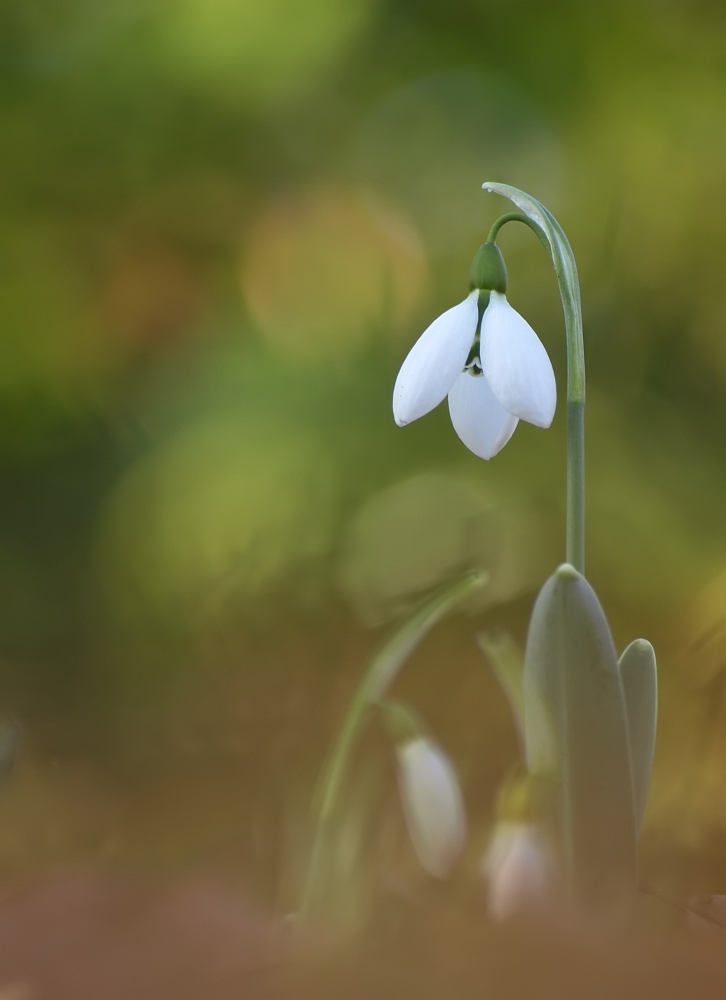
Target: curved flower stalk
point(371, 692)
point(486, 358)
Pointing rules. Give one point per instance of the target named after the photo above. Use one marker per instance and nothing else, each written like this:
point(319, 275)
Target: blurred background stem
point(381, 673)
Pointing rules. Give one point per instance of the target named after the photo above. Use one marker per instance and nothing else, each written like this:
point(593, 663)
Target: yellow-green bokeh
point(222, 226)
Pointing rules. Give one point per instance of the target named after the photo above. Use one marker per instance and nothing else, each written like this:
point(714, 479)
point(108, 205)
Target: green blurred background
point(222, 225)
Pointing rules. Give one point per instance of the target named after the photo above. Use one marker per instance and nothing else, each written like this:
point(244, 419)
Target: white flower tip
point(516, 867)
point(542, 417)
point(398, 416)
point(432, 804)
point(481, 423)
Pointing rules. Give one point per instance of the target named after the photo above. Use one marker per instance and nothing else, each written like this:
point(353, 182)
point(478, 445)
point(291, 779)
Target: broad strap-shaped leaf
point(577, 740)
point(640, 686)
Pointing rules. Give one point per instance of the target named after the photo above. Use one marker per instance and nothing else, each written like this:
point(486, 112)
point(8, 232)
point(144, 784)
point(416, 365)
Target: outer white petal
point(516, 365)
point(435, 361)
point(432, 804)
point(481, 423)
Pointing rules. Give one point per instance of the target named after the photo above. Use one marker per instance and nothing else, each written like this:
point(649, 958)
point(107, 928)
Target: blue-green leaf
point(640, 687)
point(577, 740)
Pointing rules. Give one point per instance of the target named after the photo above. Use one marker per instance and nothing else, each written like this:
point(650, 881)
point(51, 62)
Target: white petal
point(435, 361)
point(432, 804)
point(516, 364)
point(481, 423)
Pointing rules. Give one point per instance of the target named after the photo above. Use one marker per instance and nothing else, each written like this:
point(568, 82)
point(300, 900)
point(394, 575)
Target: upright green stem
point(381, 673)
point(576, 483)
point(560, 253)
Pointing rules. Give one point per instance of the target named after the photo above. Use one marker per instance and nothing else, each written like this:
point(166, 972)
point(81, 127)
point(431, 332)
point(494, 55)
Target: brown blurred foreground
point(105, 937)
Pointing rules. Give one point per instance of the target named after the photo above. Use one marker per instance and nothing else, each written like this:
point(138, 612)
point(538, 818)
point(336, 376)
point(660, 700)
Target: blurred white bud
point(516, 867)
point(432, 804)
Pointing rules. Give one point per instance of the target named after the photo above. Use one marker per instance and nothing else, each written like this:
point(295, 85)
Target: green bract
point(488, 271)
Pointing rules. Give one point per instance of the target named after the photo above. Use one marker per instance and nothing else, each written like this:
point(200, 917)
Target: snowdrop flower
point(516, 867)
point(432, 804)
point(486, 358)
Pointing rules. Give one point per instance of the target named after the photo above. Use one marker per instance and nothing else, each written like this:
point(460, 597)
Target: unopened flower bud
point(516, 867)
point(432, 804)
